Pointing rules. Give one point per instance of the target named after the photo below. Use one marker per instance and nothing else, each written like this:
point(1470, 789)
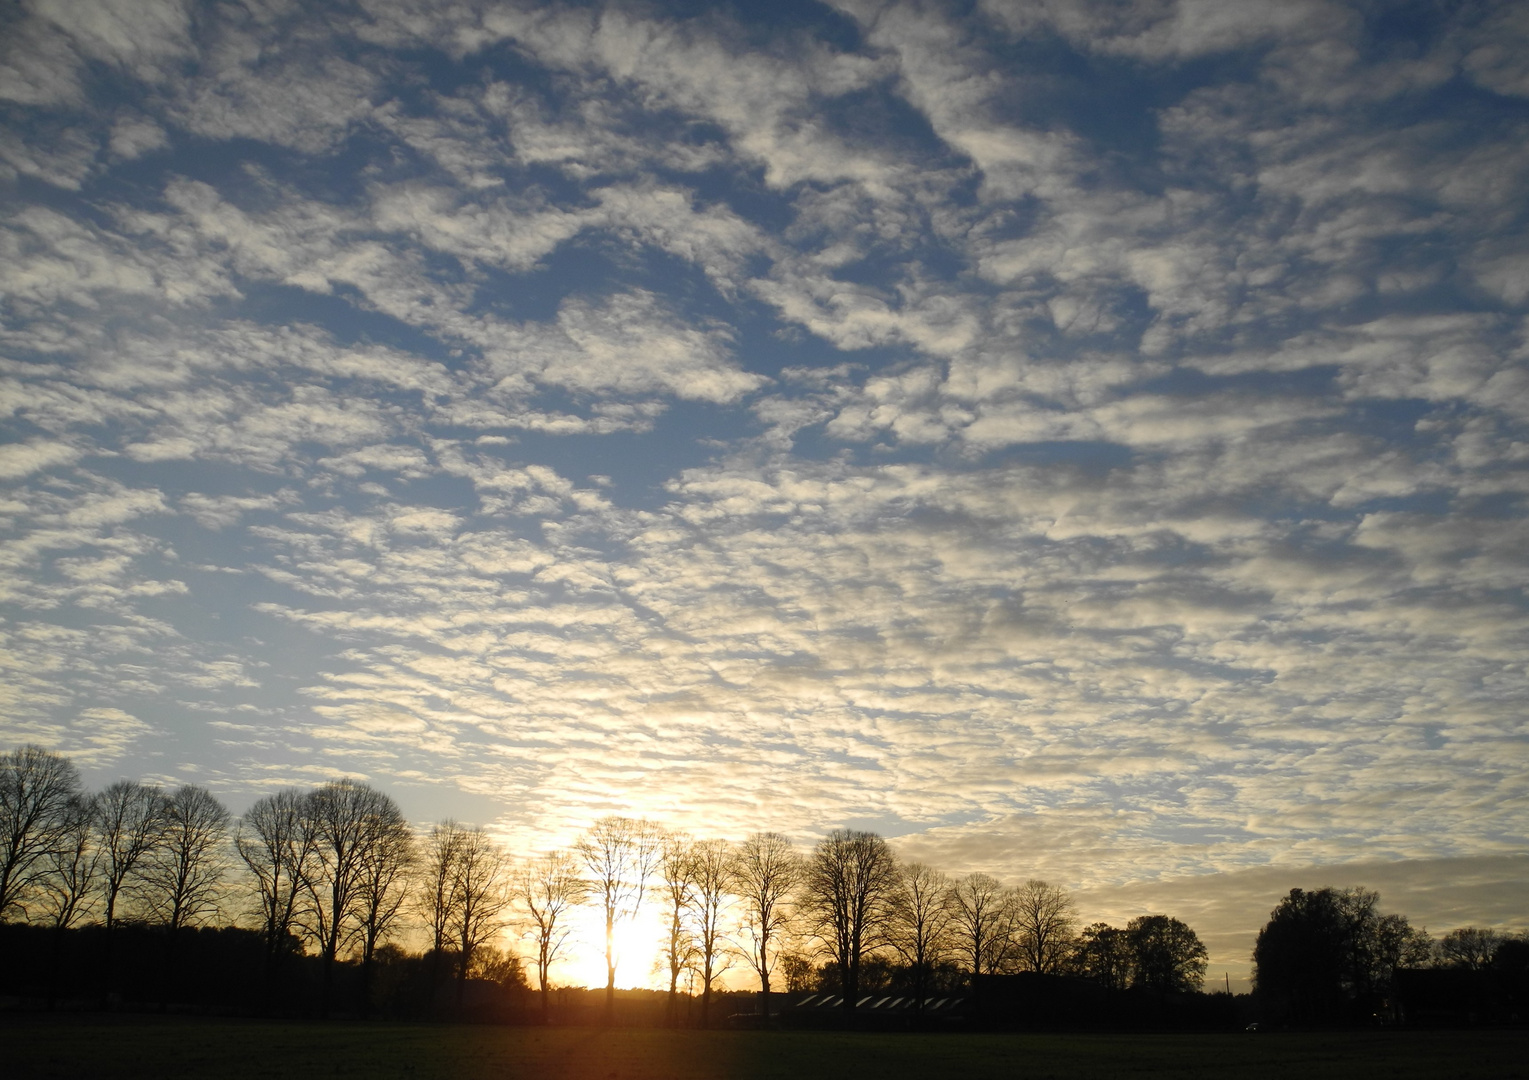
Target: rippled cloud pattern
point(1075, 439)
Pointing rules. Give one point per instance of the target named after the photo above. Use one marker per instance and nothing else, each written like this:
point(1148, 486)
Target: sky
point(1080, 440)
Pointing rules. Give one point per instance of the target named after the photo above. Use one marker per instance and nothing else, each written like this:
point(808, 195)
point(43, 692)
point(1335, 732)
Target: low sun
point(637, 948)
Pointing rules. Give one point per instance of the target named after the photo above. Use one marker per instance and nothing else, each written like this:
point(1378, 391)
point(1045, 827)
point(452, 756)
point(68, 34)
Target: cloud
point(1117, 478)
point(142, 36)
point(39, 66)
point(21, 459)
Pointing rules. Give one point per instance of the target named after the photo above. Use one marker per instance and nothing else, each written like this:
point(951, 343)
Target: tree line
point(336, 875)
point(1331, 955)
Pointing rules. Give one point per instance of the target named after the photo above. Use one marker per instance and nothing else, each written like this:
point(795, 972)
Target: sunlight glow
point(639, 962)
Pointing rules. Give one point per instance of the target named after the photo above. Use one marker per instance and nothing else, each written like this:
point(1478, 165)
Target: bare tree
point(849, 881)
point(480, 895)
point(66, 887)
point(387, 854)
point(919, 923)
point(1470, 947)
point(980, 922)
point(711, 860)
point(765, 871)
point(184, 873)
point(36, 787)
point(676, 871)
point(1044, 918)
point(548, 888)
point(435, 898)
point(130, 822)
point(68, 881)
point(275, 839)
point(620, 854)
point(341, 814)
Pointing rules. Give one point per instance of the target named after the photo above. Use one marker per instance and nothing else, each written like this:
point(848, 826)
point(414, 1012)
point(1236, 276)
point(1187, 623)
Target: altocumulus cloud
point(1076, 439)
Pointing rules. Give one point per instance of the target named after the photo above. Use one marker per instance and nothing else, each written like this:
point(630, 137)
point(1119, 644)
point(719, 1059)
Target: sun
point(638, 944)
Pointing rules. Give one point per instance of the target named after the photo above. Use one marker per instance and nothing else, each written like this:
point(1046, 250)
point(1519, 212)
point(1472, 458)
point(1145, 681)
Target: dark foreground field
point(234, 1050)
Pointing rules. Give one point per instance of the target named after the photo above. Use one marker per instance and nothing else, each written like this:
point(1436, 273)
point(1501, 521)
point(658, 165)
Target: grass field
point(123, 1047)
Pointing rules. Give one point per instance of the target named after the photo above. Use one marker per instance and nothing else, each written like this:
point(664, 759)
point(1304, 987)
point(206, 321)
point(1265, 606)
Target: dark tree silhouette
point(276, 840)
point(130, 822)
point(343, 816)
point(184, 873)
point(480, 893)
point(1103, 953)
point(849, 882)
point(387, 855)
point(548, 888)
point(1328, 955)
point(765, 871)
point(1166, 955)
point(620, 855)
point(66, 886)
point(981, 923)
point(435, 898)
point(919, 927)
point(1470, 948)
point(710, 864)
point(36, 789)
point(1044, 918)
point(676, 873)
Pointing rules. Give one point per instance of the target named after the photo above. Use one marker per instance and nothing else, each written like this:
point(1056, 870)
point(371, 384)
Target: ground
point(159, 1048)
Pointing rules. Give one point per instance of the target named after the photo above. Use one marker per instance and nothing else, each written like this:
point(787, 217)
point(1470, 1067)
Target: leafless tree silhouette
point(712, 862)
point(848, 882)
point(480, 894)
point(343, 816)
point(1044, 918)
point(765, 871)
point(276, 841)
point(382, 884)
point(548, 888)
point(620, 855)
point(981, 922)
point(435, 892)
point(67, 884)
point(185, 871)
point(676, 872)
point(130, 823)
point(1470, 948)
point(36, 787)
point(919, 926)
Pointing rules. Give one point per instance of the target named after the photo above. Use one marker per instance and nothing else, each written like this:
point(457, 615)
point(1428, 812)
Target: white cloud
point(21, 459)
point(1121, 483)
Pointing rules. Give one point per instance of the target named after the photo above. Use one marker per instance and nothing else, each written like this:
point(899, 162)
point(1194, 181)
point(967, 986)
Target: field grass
point(132, 1047)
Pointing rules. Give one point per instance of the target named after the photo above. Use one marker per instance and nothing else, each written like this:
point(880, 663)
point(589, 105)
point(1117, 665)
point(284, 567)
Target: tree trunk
point(168, 973)
point(462, 962)
point(764, 976)
point(328, 983)
point(610, 970)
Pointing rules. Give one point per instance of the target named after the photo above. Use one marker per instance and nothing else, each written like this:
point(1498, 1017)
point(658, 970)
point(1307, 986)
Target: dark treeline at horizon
point(135, 894)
